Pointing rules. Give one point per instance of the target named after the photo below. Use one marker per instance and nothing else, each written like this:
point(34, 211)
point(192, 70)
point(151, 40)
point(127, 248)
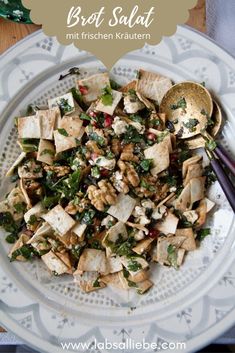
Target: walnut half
point(102, 195)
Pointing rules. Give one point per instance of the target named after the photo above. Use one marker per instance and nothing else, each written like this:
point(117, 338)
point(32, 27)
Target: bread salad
point(104, 187)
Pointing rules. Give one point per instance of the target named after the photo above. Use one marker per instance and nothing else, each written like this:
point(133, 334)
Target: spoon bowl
point(199, 141)
point(188, 106)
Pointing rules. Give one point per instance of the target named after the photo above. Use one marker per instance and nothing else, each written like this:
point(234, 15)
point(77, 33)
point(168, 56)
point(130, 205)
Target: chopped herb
point(95, 244)
point(210, 121)
point(95, 172)
point(126, 247)
point(50, 201)
point(191, 124)
point(110, 155)
point(32, 220)
point(203, 84)
point(72, 71)
point(126, 275)
point(9, 225)
point(29, 145)
point(47, 151)
point(114, 85)
point(70, 186)
point(27, 251)
point(134, 266)
point(172, 256)
point(146, 164)
point(63, 132)
point(132, 135)
point(11, 238)
point(180, 104)
point(96, 283)
point(88, 216)
point(97, 138)
point(136, 118)
point(64, 105)
point(107, 96)
point(203, 233)
point(147, 186)
point(14, 178)
point(78, 97)
point(84, 116)
point(211, 145)
point(210, 175)
point(76, 251)
point(20, 207)
point(32, 110)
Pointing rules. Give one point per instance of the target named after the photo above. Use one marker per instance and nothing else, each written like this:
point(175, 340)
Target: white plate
point(194, 305)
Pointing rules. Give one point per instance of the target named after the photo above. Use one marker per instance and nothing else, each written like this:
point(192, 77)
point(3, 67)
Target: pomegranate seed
point(174, 157)
point(83, 90)
point(93, 114)
point(153, 233)
point(151, 137)
point(104, 172)
point(108, 121)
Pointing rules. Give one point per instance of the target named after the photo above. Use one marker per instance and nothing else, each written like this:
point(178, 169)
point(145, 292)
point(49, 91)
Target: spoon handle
point(224, 181)
point(225, 158)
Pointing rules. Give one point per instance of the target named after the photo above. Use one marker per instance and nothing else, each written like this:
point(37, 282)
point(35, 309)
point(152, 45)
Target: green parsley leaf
point(107, 96)
point(146, 164)
point(203, 233)
point(114, 85)
point(20, 207)
point(88, 216)
point(47, 151)
point(180, 104)
point(65, 107)
point(27, 251)
point(95, 172)
point(210, 175)
point(133, 265)
point(191, 124)
point(211, 145)
point(96, 283)
point(172, 256)
point(32, 220)
point(63, 132)
point(84, 116)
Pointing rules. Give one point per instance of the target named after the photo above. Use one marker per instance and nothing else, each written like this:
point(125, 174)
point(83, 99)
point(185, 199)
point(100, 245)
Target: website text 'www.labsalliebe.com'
point(128, 345)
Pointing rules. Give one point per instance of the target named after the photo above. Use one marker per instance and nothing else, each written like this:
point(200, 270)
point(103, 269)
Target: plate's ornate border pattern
point(199, 320)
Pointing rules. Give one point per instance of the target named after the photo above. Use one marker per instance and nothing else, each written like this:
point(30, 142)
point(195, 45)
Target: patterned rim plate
point(194, 305)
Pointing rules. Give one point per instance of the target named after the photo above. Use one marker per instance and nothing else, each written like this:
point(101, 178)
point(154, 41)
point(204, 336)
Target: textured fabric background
point(221, 22)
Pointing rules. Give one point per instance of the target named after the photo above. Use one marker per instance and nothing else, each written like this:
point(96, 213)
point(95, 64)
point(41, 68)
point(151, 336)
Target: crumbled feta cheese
point(119, 126)
point(159, 212)
point(173, 189)
point(144, 220)
point(139, 235)
point(148, 204)
point(107, 221)
point(105, 163)
point(132, 106)
point(139, 211)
